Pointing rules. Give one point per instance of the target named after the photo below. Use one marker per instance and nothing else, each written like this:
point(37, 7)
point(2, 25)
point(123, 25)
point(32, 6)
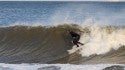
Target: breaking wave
point(101, 40)
point(42, 44)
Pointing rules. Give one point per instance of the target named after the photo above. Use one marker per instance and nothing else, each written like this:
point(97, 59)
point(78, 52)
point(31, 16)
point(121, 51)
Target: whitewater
point(34, 35)
point(61, 67)
point(100, 40)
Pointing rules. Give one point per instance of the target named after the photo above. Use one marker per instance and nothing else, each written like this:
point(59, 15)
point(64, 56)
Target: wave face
point(33, 44)
point(24, 44)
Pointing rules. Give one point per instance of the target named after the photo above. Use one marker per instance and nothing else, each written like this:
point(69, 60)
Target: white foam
point(100, 41)
point(62, 66)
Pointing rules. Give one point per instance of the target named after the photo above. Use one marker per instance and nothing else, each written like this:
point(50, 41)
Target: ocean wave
point(42, 44)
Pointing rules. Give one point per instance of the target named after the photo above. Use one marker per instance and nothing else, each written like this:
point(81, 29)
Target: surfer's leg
point(75, 43)
point(77, 40)
point(80, 43)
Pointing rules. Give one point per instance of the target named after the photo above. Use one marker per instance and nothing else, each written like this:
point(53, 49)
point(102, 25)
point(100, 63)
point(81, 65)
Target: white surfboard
point(74, 49)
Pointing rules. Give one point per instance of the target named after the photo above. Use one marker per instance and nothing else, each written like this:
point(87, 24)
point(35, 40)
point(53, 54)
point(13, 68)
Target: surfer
point(76, 38)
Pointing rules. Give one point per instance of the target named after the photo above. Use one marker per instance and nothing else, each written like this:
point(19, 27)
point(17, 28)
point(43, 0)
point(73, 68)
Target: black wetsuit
point(76, 38)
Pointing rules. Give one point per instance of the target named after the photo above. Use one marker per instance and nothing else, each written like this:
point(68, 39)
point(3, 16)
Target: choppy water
point(61, 67)
point(54, 13)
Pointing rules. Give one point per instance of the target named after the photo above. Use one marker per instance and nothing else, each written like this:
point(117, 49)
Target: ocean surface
point(55, 13)
point(34, 35)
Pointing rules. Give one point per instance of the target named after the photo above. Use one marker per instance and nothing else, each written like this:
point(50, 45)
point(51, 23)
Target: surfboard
point(74, 49)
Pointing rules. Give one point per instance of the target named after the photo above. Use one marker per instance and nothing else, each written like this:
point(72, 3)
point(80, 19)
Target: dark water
point(22, 44)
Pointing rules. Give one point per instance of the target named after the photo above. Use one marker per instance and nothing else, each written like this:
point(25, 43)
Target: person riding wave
point(75, 38)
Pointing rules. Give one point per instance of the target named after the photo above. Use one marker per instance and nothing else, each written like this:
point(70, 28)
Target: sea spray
point(101, 40)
